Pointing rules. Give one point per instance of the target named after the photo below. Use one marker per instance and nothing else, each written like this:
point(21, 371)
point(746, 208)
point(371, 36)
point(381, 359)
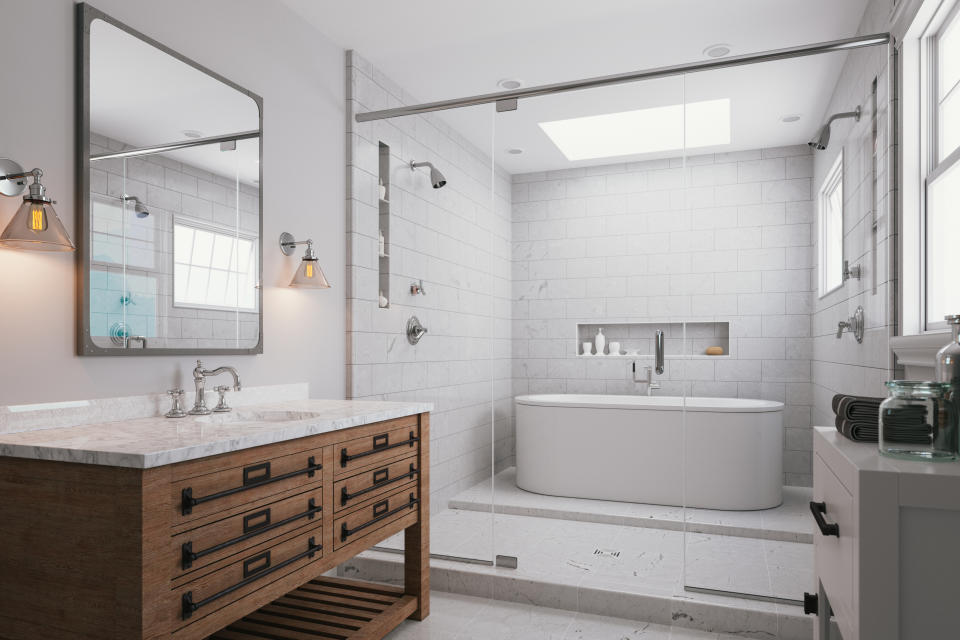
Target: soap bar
point(714, 351)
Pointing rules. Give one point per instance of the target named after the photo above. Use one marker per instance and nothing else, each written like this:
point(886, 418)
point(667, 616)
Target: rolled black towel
point(858, 431)
point(860, 408)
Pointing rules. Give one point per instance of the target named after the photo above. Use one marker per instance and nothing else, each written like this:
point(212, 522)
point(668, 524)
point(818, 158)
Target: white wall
point(263, 47)
point(725, 240)
point(457, 240)
point(845, 366)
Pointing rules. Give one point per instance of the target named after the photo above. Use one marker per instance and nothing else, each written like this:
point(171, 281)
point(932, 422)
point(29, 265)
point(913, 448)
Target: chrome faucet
point(200, 378)
point(658, 353)
point(650, 382)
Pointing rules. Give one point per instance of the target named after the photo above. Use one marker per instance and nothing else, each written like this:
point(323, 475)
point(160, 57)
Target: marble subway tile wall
point(725, 239)
point(844, 366)
point(167, 188)
point(457, 240)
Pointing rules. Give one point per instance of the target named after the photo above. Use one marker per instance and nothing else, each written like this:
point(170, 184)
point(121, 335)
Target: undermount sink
point(254, 415)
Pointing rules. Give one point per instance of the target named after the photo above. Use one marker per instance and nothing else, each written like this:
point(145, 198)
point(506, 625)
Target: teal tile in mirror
point(170, 242)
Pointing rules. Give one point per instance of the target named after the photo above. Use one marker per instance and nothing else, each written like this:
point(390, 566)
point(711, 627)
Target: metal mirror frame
point(86, 14)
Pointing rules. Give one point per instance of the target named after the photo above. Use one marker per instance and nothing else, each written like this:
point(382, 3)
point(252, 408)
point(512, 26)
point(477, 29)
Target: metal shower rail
point(506, 100)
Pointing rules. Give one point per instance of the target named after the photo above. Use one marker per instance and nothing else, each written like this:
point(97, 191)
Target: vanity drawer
point(375, 482)
point(197, 548)
point(203, 495)
point(833, 554)
point(375, 449)
point(376, 515)
point(247, 573)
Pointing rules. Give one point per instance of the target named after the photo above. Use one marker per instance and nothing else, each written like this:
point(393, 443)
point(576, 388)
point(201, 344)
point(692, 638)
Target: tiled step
point(790, 522)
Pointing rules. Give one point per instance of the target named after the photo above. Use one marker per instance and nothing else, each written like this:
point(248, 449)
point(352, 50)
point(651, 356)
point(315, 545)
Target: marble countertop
point(143, 443)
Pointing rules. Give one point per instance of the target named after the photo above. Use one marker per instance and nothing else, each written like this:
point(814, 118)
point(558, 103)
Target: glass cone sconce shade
point(309, 275)
point(35, 226)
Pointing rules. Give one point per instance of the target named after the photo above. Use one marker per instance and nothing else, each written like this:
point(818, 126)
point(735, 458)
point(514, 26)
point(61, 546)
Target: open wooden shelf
point(326, 608)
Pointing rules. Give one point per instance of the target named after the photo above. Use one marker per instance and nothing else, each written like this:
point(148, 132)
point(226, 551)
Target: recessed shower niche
point(682, 339)
point(383, 242)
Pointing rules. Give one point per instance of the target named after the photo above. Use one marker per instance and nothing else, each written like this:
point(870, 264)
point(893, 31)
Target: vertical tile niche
point(636, 338)
point(383, 244)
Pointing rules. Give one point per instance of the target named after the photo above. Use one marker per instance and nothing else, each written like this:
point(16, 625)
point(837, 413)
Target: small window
point(213, 268)
point(942, 221)
point(830, 226)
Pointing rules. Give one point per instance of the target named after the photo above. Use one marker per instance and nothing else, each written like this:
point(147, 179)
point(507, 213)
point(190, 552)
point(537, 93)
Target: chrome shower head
point(436, 178)
point(822, 138)
point(138, 207)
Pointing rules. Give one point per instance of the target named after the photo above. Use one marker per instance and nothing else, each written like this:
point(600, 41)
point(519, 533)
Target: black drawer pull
point(257, 563)
point(381, 441)
point(188, 502)
point(811, 603)
point(188, 555)
point(346, 533)
point(377, 448)
point(346, 497)
point(256, 473)
point(819, 509)
point(250, 522)
point(188, 606)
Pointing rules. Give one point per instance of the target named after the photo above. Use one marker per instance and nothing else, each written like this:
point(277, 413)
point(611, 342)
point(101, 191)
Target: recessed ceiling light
point(628, 133)
point(192, 133)
point(791, 117)
point(510, 83)
point(717, 50)
point(515, 151)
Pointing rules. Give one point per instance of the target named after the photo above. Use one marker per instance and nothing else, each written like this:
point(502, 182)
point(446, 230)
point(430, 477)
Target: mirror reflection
point(174, 203)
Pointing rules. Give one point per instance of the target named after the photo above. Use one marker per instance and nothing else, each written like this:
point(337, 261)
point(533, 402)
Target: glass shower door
point(429, 241)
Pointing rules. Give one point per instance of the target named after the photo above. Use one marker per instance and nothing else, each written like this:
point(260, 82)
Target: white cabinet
point(887, 556)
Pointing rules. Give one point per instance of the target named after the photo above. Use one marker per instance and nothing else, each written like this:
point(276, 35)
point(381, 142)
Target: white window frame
point(920, 158)
point(832, 182)
point(203, 225)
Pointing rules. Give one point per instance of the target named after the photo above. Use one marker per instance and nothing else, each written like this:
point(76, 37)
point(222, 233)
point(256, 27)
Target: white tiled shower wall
point(844, 365)
point(727, 238)
point(457, 240)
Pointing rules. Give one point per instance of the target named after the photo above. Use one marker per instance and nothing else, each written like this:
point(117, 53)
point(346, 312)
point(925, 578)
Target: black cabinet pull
point(377, 447)
point(188, 555)
point(346, 533)
point(188, 502)
point(259, 562)
point(188, 606)
point(346, 497)
point(819, 509)
point(811, 603)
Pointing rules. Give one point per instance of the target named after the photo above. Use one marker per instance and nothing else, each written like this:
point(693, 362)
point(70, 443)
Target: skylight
point(630, 133)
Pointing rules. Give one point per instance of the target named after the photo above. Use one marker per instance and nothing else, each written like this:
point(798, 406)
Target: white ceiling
point(142, 96)
point(437, 49)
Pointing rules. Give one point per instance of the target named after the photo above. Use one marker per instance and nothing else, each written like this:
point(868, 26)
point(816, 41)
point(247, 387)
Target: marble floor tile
point(456, 617)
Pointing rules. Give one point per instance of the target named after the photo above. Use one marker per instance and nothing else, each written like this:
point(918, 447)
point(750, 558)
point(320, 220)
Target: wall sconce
point(309, 275)
point(35, 225)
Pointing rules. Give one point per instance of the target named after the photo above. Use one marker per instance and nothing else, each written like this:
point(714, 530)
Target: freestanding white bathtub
point(636, 449)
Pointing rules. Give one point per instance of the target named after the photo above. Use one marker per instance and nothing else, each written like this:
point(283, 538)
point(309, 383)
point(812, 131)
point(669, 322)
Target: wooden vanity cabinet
point(229, 546)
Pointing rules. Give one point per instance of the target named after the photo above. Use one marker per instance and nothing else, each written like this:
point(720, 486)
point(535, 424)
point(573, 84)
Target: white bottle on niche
point(600, 342)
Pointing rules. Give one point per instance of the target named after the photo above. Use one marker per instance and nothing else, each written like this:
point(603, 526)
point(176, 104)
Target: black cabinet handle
point(188, 606)
point(250, 481)
point(383, 481)
point(346, 533)
point(379, 444)
point(811, 603)
point(188, 555)
point(819, 509)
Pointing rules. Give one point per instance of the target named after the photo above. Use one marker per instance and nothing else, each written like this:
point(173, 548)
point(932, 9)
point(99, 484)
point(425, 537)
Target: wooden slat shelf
point(334, 608)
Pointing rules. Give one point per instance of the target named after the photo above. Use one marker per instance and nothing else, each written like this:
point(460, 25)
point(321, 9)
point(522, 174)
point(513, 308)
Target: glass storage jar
point(919, 421)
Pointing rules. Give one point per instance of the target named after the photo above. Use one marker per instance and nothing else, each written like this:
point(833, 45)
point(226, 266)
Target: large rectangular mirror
point(170, 241)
